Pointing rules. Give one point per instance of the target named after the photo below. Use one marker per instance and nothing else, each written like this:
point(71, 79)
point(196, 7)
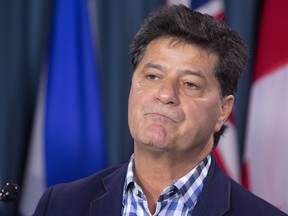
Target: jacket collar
point(108, 199)
point(215, 197)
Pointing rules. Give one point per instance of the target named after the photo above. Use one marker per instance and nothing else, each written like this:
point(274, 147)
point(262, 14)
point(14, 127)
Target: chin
point(156, 145)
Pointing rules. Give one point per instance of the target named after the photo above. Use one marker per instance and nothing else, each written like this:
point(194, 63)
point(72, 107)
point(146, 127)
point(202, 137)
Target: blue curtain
point(24, 26)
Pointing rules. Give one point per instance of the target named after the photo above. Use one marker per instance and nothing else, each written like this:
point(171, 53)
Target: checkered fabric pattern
point(177, 199)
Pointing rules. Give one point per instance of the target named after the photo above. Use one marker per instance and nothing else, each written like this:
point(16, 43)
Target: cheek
point(134, 98)
point(202, 113)
point(138, 95)
point(135, 102)
point(131, 107)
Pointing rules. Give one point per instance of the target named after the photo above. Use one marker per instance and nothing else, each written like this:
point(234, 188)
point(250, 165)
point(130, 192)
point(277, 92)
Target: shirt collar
point(189, 186)
point(129, 174)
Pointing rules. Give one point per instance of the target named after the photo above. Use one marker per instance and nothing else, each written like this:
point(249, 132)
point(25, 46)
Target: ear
point(225, 110)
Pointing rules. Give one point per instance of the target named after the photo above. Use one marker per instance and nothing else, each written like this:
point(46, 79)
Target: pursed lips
point(163, 112)
point(162, 116)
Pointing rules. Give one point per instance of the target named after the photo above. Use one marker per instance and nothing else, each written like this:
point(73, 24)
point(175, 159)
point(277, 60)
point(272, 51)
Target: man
point(186, 69)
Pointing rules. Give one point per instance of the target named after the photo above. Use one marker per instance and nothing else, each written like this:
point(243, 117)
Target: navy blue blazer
point(101, 195)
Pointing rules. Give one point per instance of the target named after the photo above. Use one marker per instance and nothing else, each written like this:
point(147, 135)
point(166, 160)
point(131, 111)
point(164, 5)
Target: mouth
point(160, 116)
point(162, 113)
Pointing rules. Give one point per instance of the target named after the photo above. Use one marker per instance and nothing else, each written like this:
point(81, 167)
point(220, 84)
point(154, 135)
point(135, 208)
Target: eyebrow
point(194, 73)
point(155, 66)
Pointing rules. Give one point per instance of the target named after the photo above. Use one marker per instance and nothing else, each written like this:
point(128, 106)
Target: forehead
point(178, 54)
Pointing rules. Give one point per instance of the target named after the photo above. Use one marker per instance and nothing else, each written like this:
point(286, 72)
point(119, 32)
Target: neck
point(156, 170)
point(166, 166)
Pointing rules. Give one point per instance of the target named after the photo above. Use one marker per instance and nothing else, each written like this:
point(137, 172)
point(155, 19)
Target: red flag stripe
point(273, 42)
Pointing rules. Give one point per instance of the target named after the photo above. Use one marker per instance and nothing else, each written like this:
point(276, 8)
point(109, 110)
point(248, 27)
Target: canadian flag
point(227, 151)
point(265, 167)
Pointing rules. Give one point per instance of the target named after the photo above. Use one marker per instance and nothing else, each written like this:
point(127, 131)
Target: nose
point(168, 93)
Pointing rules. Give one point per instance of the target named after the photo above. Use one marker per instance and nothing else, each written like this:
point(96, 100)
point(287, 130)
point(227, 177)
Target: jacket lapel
point(109, 197)
point(215, 197)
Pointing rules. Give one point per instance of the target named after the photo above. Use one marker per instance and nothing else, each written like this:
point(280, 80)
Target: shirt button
point(171, 192)
point(135, 191)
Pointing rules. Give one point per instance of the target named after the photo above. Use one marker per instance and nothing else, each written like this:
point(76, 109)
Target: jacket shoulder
point(85, 185)
point(74, 198)
point(248, 203)
point(223, 196)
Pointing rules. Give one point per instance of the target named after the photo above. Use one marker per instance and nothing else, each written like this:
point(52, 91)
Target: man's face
point(174, 102)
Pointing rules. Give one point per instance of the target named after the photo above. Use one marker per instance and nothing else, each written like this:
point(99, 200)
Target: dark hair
point(210, 34)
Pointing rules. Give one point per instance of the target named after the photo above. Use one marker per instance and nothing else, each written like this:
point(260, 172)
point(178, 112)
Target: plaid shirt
point(177, 199)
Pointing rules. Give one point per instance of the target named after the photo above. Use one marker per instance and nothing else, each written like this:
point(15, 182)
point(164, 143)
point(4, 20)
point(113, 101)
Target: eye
point(152, 77)
point(190, 85)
